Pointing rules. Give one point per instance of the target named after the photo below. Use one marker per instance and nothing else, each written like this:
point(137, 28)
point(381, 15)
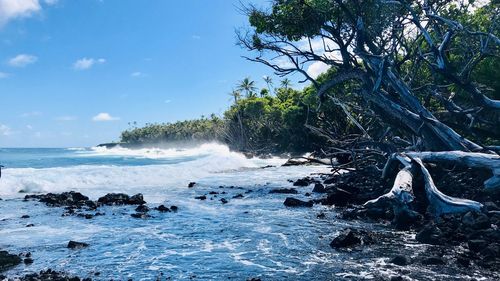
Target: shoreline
point(365, 231)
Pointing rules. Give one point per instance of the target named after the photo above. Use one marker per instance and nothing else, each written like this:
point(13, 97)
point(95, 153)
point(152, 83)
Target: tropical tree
point(408, 65)
point(236, 96)
point(248, 86)
point(269, 82)
point(286, 83)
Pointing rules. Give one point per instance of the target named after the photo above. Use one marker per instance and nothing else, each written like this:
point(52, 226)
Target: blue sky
point(76, 72)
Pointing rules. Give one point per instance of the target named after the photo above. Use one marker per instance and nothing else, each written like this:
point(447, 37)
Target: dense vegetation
point(259, 120)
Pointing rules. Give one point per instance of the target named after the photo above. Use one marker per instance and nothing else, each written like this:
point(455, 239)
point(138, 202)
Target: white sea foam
point(192, 165)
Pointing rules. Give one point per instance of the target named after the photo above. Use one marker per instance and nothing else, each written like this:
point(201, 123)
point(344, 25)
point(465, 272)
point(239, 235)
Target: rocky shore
point(468, 241)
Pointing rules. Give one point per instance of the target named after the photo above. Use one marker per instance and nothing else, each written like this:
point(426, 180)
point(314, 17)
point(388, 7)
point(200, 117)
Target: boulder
point(293, 202)
point(72, 198)
point(163, 209)
point(319, 188)
point(224, 201)
point(284, 191)
point(76, 245)
point(347, 238)
point(203, 197)
point(433, 261)
point(142, 209)
point(338, 197)
point(8, 260)
point(191, 184)
point(399, 260)
point(121, 199)
point(477, 245)
point(476, 220)
point(430, 234)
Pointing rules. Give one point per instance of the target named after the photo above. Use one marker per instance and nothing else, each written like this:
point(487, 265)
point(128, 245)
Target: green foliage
point(203, 129)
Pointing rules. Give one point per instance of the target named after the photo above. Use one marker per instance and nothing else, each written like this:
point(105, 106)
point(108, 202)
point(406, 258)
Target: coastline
point(361, 235)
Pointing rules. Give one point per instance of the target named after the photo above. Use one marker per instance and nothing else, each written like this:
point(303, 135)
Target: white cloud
point(168, 101)
point(87, 63)
point(316, 68)
point(29, 127)
point(5, 130)
point(12, 9)
point(66, 118)
point(22, 60)
point(103, 116)
point(31, 114)
point(137, 74)
point(4, 75)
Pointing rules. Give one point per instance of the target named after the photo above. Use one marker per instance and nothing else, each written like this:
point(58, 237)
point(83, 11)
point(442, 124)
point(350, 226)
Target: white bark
point(485, 161)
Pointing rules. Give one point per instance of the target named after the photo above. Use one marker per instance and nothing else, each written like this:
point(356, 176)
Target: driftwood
point(402, 193)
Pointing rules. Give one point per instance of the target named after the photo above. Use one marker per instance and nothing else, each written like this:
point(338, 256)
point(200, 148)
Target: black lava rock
point(284, 191)
point(163, 209)
point(191, 184)
point(293, 202)
point(399, 260)
point(8, 260)
point(121, 199)
point(347, 238)
point(319, 188)
point(77, 245)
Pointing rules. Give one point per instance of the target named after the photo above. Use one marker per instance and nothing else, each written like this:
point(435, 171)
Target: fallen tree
point(396, 64)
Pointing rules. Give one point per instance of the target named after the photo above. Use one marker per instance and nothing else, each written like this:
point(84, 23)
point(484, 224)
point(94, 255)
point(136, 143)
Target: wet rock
point(28, 261)
point(203, 197)
point(338, 197)
point(304, 181)
point(72, 198)
point(8, 260)
point(319, 188)
point(213, 192)
point(284, 191)
point(142, 209)
point(140, 215)
point(347, 238)
point(399, 260)
point(111, 199)
point(238, 196)
point(321, 216)
point(76, 245)
point(191, 184)
point(254, 279)
point(224, 201)
point(163, 209)
point(477, 245)
point(433, 261)
point(293, 202)
point(476, 220)
point(174, 208)
point(50, 275)
point(396, 278)
point(491, 206)
point(25, 217)
point(30, 225)
point(430, 234)
point(295, 162)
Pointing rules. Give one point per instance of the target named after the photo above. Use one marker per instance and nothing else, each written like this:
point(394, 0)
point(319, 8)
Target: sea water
point(255, 236)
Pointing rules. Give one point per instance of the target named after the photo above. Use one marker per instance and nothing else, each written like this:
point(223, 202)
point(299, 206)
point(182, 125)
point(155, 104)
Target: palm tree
point(236, 95)
point(269, 82)
point(248, 86)
point(286, 83)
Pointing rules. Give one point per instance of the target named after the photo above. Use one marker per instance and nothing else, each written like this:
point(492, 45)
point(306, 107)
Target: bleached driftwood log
point(485, 161)
point(402, 193)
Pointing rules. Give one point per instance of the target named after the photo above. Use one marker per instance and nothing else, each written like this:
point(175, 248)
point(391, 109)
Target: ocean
point(252, 236)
